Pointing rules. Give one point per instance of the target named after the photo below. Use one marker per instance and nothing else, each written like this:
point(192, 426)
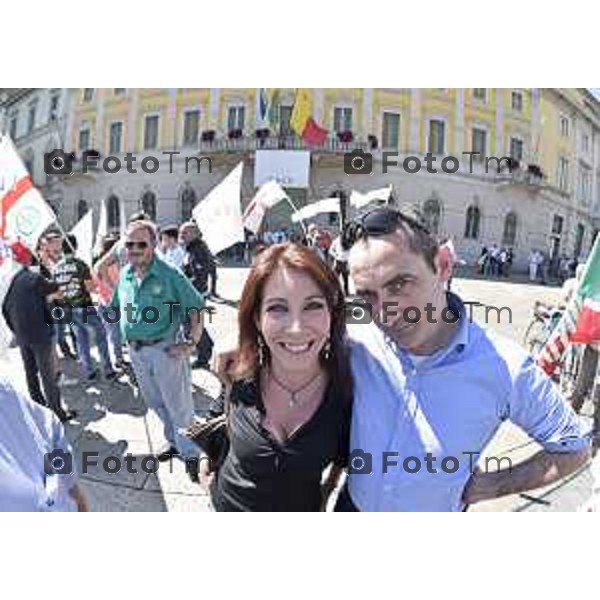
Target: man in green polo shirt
point(153, 299)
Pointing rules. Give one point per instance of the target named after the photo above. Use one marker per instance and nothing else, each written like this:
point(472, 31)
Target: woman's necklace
point(293, 402)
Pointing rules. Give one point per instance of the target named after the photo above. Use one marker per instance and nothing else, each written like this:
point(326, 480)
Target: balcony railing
point(250, 144)
point(531, 177)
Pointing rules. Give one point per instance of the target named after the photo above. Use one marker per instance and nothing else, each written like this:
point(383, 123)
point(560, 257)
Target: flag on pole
point(102, 230)
point(219, 215)
point(329, 205)
point(358, 200)
point(273, 107)
point(24, 214)
point(580, 322)
point(84, 232)
point(268, 195)
point(302, 121)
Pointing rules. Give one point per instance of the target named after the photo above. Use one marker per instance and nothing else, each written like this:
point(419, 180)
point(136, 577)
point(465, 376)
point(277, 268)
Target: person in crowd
point(198, 265)
point(27, 314)
point(29, 480)
point(290, 402)
point(75, 280)
point(105, 288)
point(157, 298)
point(534, 263)
point(169, 244)
point(340, 262)
point(482, 261)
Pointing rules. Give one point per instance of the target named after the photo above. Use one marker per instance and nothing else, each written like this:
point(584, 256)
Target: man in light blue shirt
point(36, 465)
point(431, 392)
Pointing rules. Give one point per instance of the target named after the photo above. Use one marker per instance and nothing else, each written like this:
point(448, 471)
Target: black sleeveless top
point(260, 474)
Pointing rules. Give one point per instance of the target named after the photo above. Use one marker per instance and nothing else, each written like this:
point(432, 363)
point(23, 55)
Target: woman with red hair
point(289, 408)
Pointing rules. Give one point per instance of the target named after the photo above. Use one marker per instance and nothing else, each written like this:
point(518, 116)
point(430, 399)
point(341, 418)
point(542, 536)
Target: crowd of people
point(309, 394)
point(495, 261)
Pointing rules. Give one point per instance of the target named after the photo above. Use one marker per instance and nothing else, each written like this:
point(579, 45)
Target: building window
point(29, 162)
point(236, 117)
point(149, 204)
point(14, 119)
point(432, 212)
point(472, 223)
point(564, 126)
point(585, 177)
point(579, 240)
point(563, 174)
point(510, 230)
point(116, 135)
point(585, 143)
point(188, 201)
point(88, 94)
point(151, 133)
point(479, 143)
point(84, 137)
point(516, 149)
point(113, 214)
point(480, 94)
point(53, 111)
point(436, 137)
point(119, 91)
point(285, 116)
point(390, 134)
point(557, 224)
point(342, 119)
point(517, 101)
point(191, 127)
point(31, 117)
point(82, 208)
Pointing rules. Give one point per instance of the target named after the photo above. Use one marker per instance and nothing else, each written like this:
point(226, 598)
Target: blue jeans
point(83, 321)
point(113, 334)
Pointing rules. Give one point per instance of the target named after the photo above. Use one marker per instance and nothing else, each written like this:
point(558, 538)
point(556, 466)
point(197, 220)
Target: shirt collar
point(152, 270)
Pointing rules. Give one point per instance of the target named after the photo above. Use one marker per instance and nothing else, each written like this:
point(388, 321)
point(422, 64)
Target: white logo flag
point(24, 214)
point(102, 230)
point(84, 232)
point(329, 205)
point(219, 215)
point(358, 200)
point(268, 195)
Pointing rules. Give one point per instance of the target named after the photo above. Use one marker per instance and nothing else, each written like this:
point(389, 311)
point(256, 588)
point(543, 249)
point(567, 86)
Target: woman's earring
point(327, 350)
point(261, 351)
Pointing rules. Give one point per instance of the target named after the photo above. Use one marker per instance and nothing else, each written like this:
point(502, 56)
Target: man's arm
point(538, 408)
point(108, 260)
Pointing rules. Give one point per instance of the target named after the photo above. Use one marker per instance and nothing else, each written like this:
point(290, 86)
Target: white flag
point(358, 200)
point(219, 215)
point(102, 230)
point(268, 195)
point(329, 205)
point(24, 214)
point(84, 232)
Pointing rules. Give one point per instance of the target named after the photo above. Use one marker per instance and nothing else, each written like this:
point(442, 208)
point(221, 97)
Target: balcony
point(272, 142)
point(530, 176)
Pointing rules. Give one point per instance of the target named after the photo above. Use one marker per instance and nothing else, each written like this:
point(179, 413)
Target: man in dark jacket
point(198, 264)
point(26, 312)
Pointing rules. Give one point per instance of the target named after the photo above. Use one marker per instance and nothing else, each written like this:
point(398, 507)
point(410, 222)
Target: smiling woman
point(290, 403)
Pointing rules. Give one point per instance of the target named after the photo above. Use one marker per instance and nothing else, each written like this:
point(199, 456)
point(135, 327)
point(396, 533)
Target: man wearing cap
point(154, 299)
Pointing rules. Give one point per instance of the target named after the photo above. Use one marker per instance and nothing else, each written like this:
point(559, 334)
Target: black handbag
point(212, 436)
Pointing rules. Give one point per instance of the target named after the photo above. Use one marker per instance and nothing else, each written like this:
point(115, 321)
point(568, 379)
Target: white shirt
point(175, 256)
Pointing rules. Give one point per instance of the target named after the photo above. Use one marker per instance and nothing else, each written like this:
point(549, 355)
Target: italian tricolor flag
point(580, 323)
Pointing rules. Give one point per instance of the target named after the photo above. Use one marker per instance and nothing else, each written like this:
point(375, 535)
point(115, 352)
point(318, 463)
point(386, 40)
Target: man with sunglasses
point(430, 385)
point(154, 299)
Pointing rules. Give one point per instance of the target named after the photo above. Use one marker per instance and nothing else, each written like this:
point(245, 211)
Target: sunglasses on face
point(378, 222)
point(137, 245)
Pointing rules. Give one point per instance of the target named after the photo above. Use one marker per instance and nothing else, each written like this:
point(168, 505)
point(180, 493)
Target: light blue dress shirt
point(27, 432)
point(449, 404)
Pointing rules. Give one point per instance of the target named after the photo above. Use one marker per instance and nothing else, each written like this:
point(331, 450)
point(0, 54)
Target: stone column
point(500, 149)
point(459, 129)
point(213, 114)
point(99, 141)
point(415, 120)
point(132, 117)
point(368, 127)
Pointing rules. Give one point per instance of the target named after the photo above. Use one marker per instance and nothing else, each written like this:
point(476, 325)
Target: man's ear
point(444, 261)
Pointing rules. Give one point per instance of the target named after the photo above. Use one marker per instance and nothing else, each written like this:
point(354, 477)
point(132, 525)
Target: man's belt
point(137, 345)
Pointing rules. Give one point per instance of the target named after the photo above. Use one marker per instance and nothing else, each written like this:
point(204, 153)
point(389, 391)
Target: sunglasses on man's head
point(138, 245)
point(377, 222)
